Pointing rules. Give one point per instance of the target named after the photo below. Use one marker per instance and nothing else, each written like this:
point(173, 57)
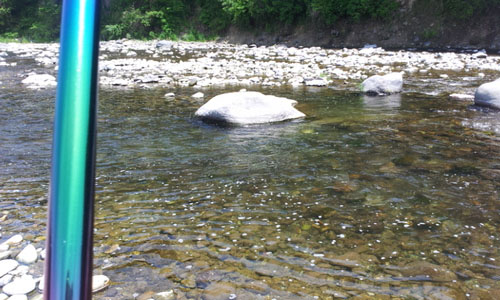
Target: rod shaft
point(68, 272)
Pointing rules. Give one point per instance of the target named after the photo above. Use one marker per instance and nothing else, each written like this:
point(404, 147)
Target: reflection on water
point(373, 197)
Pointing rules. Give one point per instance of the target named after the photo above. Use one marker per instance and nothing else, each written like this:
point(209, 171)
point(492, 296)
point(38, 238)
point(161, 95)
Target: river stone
point(488, 94)
point(28, 255)
point(37, 81)
point(14, 240)
point(383, 85)
point(20, 286)
point(3, 296)
point(167, 45)
point(5, 279)
point(426, 269)
point(5, 254)
point(167, 295)
point(7, 265)
point(99, 282)
point(461, 97)
point(198, 95)
point(243, 108)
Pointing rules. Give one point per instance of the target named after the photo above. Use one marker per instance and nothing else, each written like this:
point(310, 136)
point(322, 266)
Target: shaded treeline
point(38, 20)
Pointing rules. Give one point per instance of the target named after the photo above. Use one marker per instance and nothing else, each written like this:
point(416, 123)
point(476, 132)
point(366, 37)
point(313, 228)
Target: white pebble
point(167, 295)
point(7, 265)
point(19, 271)
point(16, 239)
point(169, 95)
point(20, 286)
point(99, 282)
point(198, 95)
point(6, 279)
point(5, 254)
point(4, 247)
point(3, 296)
point(28, 255)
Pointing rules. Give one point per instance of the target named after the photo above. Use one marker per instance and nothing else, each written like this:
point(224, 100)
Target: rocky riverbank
point(137, 64)
point(21, 270)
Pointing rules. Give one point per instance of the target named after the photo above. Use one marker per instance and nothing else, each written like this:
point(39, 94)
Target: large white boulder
point(488, 94)
point(383, 85)
point(243, 108)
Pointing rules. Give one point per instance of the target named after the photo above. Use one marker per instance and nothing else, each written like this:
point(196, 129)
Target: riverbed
point(366, 198)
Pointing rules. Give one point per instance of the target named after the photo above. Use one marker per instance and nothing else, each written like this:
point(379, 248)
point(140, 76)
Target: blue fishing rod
point(68, 270)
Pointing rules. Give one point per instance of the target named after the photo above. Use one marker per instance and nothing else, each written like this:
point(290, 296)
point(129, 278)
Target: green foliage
point(195, 36)
point(332, 10)
point(46, 23)
point(38, 20)
point(465, 9)
point(264, 12)
point(213, 15)
point(429, 34)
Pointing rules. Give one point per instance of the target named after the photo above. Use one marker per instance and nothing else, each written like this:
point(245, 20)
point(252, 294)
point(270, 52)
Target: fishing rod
point(68, 269)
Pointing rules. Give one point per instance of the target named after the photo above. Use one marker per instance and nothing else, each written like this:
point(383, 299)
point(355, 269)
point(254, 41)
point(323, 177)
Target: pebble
point(5, 254)
point(20, 270)
point(7, 265)
point(198, 95)
point(14, 240)
point(20, 286)
point(3, 296)
point(167, 295)
point(28, 255)
point(99, 282)
point(169, 95)
point(4, 247)
point(462, 97)
point(5, 279)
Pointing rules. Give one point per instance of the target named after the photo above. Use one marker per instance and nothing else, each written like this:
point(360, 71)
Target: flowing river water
point(366, 198)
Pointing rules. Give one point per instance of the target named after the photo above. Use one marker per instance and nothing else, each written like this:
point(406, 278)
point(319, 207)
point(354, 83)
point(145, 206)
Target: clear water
point(369, 197)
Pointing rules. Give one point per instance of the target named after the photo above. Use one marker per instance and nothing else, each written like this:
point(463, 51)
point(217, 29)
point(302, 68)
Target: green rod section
point(68, 271)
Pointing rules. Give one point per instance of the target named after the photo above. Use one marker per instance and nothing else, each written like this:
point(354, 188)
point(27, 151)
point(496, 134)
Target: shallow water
point(371, 197)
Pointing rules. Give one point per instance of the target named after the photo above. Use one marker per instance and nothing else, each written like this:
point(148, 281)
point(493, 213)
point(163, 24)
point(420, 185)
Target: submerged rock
point(383, 85)
point(428, 270)
point(248, 108)
point(488, 95)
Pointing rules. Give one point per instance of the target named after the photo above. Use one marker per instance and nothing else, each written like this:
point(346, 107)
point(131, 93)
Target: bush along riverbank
point(332, 24)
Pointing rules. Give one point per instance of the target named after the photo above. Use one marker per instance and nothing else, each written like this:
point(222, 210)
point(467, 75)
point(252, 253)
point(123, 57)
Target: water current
point(373, 198)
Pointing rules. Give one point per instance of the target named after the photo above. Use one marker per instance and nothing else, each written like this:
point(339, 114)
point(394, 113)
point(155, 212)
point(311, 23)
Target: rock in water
point(16, 239)
point(488, 94)
point(99, 282)
point(243, 108)
point(383, 85)
point(28, 255)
